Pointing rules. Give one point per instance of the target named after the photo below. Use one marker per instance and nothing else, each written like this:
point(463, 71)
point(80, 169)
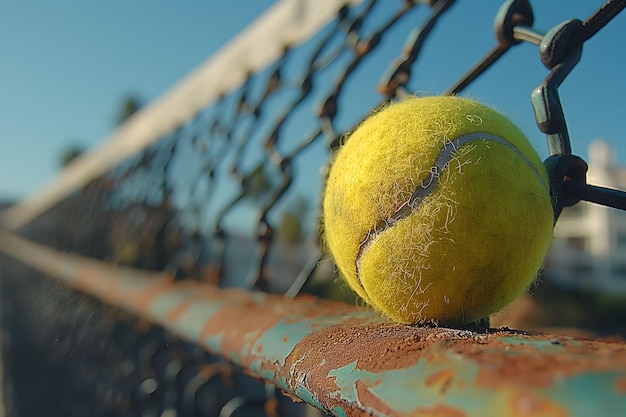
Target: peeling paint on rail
point(350, 362)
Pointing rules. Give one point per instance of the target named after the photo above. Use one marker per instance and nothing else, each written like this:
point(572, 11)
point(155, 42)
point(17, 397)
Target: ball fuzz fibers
point(437, 209)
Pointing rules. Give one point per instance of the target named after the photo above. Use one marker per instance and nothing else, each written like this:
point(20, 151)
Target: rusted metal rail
point(349, 361)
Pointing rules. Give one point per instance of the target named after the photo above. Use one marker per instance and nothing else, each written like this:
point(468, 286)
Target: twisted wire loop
point(560, 51)
point(222, 200)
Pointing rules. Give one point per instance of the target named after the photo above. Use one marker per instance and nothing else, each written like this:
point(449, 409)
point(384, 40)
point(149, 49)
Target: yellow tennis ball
point(438, 209)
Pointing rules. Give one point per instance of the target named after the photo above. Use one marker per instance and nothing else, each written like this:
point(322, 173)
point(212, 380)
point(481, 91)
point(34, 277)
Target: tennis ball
point(437, 209)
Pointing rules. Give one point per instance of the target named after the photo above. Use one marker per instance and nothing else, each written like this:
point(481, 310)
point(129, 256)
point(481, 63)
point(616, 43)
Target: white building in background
point(590, 240)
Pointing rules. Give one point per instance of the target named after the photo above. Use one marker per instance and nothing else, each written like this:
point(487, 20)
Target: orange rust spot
point(259, 347)
point(529, 369)
point(528, 405)
point(285, 339)
point(442, 379)
point(243, 319)
point(431, 359)
point(620, 385)
point(440, 411)
point(175, 313)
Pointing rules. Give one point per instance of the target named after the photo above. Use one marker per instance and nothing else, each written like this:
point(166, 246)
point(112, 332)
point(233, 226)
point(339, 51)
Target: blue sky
point(66, 66)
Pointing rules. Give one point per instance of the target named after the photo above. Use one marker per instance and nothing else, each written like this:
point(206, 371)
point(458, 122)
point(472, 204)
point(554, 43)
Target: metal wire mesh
point(231, 198)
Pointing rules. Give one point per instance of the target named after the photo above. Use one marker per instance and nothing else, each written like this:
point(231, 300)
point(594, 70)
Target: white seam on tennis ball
point(431, 181)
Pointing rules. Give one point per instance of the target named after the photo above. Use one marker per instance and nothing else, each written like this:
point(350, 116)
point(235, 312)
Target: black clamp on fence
point(561, 50)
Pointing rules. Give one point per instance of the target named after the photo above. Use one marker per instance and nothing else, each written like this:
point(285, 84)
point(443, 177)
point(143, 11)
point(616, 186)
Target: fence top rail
point(349, 361)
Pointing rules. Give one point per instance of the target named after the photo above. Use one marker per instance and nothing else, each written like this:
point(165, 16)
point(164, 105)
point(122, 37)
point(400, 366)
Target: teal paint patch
point(418, 387)
point(68, 271)
point(264, 372)
point(258, 297)
point(191, 323)
point(339, 412)
point(553, 345)
point(589, 394)
point(165, 303)
point(446, 380)
point(214, 343)
point(308, 397)
point(130, 282)
point(346, 378)
point(276, 343)
point(571, 343)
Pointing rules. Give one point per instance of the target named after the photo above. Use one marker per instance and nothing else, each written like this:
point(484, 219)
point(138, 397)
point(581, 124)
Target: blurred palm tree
point(70, 154)
point(131, 104)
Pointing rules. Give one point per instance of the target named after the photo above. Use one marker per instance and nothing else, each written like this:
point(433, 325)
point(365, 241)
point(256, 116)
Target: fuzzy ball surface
point(437, 209)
